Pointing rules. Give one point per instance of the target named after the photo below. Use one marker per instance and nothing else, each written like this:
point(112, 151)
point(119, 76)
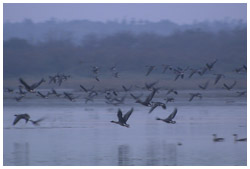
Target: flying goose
point(193, 95)
point(204, 87)
point(211, 65)
point(26, 117)
point(122, 120)
point(33, 86)
point(156, 104)
point(229, 87)
point(218, 77)
point(170, 118)
point(147, 101)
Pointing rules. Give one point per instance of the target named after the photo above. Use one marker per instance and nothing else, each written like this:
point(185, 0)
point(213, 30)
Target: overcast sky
point(178, 13)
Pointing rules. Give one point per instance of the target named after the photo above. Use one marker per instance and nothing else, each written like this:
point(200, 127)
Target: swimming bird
point(116, 74)
point(204, 87)
point(218, 77)
point(215, 139)
point(122, 120)
point(26, 117)
point(236, 138)
point(193, 95)
point(156, 104)
point(170, 118)
point(30, 88)
point(229, 87)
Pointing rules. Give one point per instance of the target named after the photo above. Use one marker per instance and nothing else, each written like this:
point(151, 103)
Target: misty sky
point(179, 13)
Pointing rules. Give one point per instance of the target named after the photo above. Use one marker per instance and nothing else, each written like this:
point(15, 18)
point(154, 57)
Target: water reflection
point(123, 155)
point(21, 154)
point(161, 154)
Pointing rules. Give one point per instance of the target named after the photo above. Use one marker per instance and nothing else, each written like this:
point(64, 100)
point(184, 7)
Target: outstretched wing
point(191, 98)
point(119, 115)
point(24, 83)
point(233, 84)
point(150, 97)
point(84, 88)
point(172, 115)
point(152, 108)
point(16, 120)
point(127, 115)
point(226, 86)
point(35, 85)
point(36, 122)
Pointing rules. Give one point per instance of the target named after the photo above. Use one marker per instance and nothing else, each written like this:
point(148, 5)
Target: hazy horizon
point(153, 12)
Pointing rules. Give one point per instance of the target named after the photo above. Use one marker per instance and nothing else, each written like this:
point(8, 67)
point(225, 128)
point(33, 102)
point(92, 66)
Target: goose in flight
point(229, 87)
point(204, 87)
point(169, 99)
point(218, 77)
point(21, 92)
point(126, 89)
point(69, 96)
point(211, 65)
point(170, 118)
point(9, 90)
point(147, 101)
point(26, 117)
point(193, 95)
point(166, 67)
point(172, 91)
point(215, 139)
point(236, 138)
point(87, 90)
point(150, 85)
point(122, 120)
point(42, 95)
point(30, 88)
point(241, 93)
point(136, 97)
point(156, 104)
point(18, 99)
point(202, 71)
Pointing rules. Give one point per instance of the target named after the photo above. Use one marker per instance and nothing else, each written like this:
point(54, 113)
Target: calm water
point(75, 133)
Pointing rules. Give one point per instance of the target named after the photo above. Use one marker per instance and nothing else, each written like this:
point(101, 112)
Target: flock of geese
point(113, 97)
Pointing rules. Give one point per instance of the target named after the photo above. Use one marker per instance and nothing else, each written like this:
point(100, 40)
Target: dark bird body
point(26, 117)
point(170, 118)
